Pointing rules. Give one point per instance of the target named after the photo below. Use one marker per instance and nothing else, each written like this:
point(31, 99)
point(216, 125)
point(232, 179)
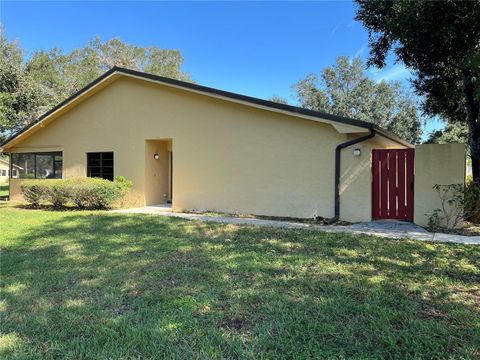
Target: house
point(206, 149)
point(5, 171)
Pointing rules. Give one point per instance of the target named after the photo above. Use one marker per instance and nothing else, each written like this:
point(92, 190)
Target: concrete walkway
point(383, 228)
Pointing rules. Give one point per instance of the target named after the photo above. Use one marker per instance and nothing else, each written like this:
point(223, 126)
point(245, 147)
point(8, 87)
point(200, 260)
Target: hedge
point(85, 193)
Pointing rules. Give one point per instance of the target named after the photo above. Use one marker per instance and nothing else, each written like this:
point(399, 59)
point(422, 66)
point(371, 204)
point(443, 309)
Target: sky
point(253, 48)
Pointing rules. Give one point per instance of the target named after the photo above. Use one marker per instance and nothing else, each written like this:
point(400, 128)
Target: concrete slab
point(390, 229)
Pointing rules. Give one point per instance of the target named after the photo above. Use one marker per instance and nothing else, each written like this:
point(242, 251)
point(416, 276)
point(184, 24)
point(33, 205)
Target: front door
point(392, 184)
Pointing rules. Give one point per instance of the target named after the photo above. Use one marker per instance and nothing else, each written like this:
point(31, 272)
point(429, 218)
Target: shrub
point(34, 191)
point(91, 193)
point(81, 190)
point(472, 202)
point(58, 192)
point(101, 194)
point(458, 203)
point(123, 184)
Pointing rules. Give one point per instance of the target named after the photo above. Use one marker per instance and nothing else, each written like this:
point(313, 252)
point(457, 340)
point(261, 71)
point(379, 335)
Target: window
point(3, 172)
point(46, 165)
point(100, 165)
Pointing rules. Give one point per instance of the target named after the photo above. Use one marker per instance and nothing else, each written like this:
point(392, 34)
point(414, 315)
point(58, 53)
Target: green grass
point(111, 286)
point(3, 190)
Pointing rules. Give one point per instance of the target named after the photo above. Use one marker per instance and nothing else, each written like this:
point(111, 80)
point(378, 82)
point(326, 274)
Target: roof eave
point(269, 105)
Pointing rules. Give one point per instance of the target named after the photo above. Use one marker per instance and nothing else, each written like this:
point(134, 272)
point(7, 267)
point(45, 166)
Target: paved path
point(382, 228)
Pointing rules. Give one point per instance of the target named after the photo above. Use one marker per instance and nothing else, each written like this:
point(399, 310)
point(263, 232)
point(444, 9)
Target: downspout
point(338, 151)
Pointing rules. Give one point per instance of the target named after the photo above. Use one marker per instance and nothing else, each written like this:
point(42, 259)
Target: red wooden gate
point(392, 184)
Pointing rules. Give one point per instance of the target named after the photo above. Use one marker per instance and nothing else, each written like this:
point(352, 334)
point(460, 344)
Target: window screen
point(100, 165)
point(46, 165)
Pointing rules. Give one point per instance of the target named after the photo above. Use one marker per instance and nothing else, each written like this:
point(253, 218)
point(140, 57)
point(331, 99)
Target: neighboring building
point(207, 149)
point(5, 171)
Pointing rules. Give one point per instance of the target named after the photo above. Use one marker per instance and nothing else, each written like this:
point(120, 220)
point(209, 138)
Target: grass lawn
point(3, 190)
point(106, 285)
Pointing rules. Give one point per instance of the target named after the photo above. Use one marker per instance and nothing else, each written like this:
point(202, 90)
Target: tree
point(29, 88)
point(440, 42)
point(453, 133)
point(345, 89)
point(20, 97)
point(279, 99)
point(61, 74)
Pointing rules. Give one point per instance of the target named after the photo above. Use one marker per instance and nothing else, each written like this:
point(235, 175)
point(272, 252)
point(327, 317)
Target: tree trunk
point(473, 121)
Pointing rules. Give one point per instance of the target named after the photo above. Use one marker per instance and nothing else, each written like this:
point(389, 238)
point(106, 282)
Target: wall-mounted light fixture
point(357, 152)
point(156, 156)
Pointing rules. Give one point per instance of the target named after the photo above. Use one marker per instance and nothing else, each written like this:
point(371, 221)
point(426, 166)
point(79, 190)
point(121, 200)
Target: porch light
point(357, 152)
point(156, 156)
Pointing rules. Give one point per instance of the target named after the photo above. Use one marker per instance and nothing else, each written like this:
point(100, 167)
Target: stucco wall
point(227, 157)
point(441, 164)
point(356, 179)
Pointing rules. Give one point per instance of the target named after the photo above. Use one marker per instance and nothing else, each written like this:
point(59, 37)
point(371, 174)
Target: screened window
point(100, 165)
point(46, 165)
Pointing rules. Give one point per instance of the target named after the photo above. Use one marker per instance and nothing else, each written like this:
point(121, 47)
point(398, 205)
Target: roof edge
point(295, 110)
point(60, 105)
point(246, 98)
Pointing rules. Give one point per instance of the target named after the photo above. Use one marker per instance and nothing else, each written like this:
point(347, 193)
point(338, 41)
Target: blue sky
point(254, 48)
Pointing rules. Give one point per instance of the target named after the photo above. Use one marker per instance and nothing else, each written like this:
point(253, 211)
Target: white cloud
point(396, 72)
point(334, 30)
point(361, 50)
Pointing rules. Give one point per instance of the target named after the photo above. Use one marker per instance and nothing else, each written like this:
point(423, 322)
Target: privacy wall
point(440, 164)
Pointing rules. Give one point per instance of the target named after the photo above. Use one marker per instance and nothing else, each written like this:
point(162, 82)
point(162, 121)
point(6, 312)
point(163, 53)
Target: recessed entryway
point(158, 171)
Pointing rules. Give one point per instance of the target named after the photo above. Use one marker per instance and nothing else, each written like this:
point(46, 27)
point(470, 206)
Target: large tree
point(30, 87)
point(345, 89)
point(20, 96)
point(452, 133)
point(440, 42)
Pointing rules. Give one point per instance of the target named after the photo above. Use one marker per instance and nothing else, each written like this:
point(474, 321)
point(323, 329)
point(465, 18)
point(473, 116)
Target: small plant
point(458, 203)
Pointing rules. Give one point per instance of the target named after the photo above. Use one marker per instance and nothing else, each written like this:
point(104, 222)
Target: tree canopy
point(440, 42)
point(345, 89)
point(279, 99)
point(452, 133)
point(29, 87)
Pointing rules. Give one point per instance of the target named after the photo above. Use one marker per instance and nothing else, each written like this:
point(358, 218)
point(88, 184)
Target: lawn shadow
point(114, 285)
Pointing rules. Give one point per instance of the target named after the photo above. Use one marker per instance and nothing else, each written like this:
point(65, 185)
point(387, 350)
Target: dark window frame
point(55, 162)
point(110, 175)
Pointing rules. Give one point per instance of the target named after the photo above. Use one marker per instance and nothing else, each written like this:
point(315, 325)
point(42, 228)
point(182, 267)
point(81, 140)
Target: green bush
point(96, 193)
point(81, 192)
point(58, 192)
point(458, 202)
point(123, 184)
point(34, 191)
point(86, 193)
point(472, 202)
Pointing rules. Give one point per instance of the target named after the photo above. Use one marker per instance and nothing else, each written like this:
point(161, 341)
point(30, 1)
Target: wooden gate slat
point(384, 185)
point(375, 185)
point(401, 184)
point(392, 184)
point(409, 179)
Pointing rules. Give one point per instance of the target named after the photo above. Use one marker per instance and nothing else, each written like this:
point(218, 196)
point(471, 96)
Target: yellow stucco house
point(206, 149)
